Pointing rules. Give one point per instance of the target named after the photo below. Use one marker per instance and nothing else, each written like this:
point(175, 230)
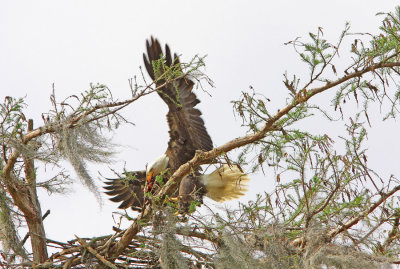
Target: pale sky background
point(73, 43)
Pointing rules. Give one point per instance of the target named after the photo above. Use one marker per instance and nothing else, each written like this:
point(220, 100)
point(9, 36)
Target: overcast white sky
point(73, 43)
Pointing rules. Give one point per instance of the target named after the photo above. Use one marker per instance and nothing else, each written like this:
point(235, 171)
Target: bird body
point(187, 135)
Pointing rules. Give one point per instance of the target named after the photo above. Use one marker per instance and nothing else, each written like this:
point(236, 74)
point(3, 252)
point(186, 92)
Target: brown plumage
point(186, 127)
point(128, 190)
point(187, 134)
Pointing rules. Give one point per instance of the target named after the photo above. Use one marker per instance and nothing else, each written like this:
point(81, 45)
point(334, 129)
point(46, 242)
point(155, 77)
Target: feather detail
point(128, 191)
point(186, 127)
point(225, 183)
point(158, 165)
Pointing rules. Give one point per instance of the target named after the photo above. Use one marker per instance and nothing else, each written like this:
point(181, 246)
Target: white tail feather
point(225, 183)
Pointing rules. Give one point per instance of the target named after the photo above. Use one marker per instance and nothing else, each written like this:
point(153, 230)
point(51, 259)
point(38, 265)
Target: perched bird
point(187, 134)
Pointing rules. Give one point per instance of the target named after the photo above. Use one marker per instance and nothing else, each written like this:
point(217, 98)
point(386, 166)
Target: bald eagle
point(187, 134)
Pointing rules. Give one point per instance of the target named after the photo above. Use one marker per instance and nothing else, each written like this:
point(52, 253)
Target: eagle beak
point(149, 182)
point(149, 177)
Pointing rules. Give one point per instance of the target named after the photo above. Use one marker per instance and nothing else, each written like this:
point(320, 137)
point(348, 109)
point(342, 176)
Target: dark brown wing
point(128, 190)
point(186, 127)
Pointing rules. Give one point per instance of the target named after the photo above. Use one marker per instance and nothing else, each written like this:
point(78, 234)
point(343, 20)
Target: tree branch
point(207, 157)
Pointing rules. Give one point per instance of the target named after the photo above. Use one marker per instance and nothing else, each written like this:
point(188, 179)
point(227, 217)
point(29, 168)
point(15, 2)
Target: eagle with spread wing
point(187, 134)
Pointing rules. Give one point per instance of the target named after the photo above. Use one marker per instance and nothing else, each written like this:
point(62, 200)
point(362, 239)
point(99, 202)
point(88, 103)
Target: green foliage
point(193, 206)
point(329, 207)
point(160, 180)
point(171, 75)
point(12, 115)
point(383, 48)
point(12, 124)
point(319, 185)
point(163, 72)
point(315, 53)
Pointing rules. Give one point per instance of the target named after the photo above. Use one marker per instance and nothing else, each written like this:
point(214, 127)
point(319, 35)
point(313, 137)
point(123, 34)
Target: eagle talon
point(174, 199)
point(177, 213)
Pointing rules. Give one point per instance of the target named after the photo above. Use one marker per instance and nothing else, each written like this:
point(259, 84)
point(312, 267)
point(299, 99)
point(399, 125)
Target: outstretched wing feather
point(187, 130)
point(128, 190)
